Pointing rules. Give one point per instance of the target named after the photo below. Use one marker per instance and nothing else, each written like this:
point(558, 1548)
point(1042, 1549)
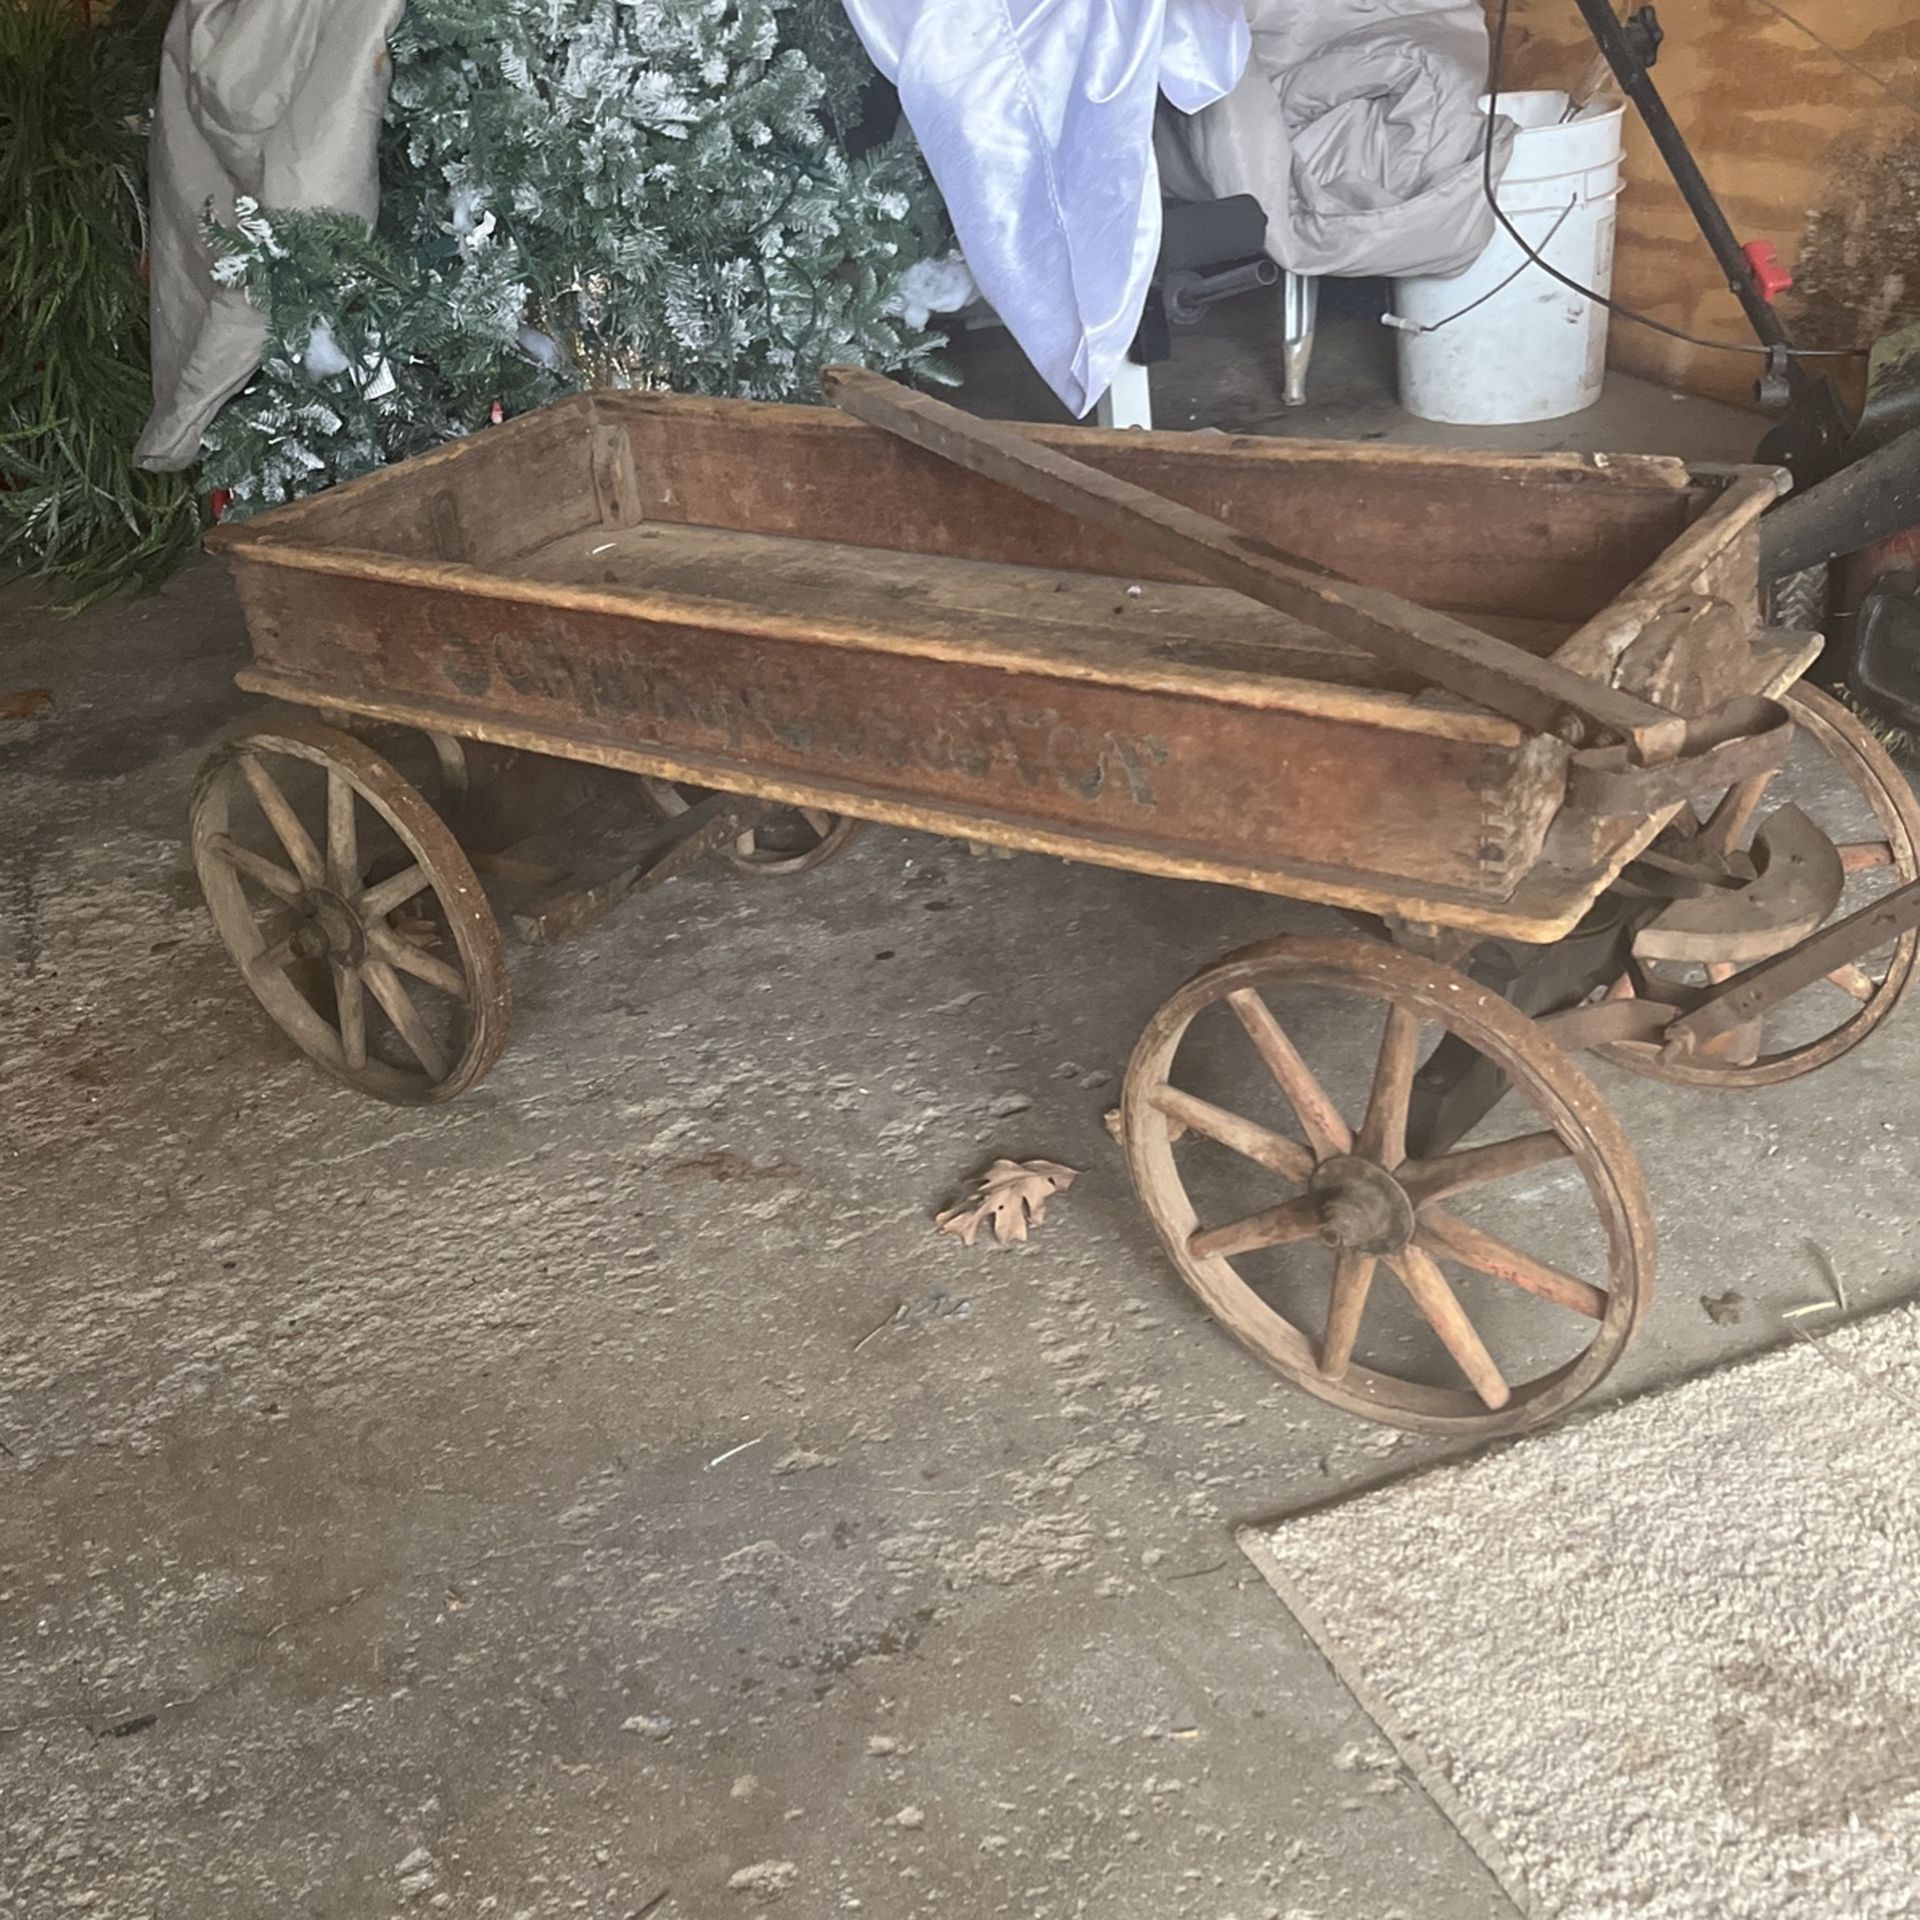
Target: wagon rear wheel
point(1848, 783)
point(787, 840)
point(1287, 1192)
point(351, 912)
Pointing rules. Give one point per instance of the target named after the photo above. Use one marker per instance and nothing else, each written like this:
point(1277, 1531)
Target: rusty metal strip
point(1607, 1022)
point(573, 901)
point(1736, 742)
point(1749, 995)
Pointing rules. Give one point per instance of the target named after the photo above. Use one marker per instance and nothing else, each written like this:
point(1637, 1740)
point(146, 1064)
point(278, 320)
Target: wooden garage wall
point(1802, 150)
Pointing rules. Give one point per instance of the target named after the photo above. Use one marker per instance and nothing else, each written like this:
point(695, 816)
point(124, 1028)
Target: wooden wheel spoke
point(343, 835)
point(1451, 1173)
point(1446, 1234)
point(385, 986)
point(1421, 1276)
point(284, 821)
point(408, 958)
point(1855, 980)
point(1281, 1226)
point(350, 1006)
point(821, 822)
point(1383, 1134)
point(1864, 856)
point(1246, 1137)
point(1352, 1281)
point(256, 866)
point(1738, 1046)
point(1319, 1117)
point(278, 957)
point(1730, 819)
point(1378, 1221)
point(380, 900)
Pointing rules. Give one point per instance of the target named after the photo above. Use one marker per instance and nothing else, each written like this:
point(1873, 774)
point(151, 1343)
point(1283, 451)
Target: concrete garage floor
point(511, 1509)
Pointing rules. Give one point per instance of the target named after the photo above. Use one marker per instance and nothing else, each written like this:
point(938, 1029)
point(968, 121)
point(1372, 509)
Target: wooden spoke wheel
point(439, 763)
point(1848, 783)
point(351, 912)
point(1285, 1195)
point(787, 840)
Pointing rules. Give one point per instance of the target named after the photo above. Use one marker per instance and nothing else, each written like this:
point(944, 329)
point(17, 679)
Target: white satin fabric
point(1036, 118)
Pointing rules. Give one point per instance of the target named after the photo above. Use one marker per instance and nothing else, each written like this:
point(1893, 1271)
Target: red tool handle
point(1768, 274)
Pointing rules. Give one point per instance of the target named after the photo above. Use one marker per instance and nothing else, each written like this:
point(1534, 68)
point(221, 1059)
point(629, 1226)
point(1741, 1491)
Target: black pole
point(1812, 440)
point(1637, 84)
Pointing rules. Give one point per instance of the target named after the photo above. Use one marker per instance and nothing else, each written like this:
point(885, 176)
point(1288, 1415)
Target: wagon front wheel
point(1516, 1265)
point(351, 912)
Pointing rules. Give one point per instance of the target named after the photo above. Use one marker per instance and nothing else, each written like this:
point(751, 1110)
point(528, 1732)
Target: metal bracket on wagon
point(1750, 993)
point(554, 884)
point(1798, 880)
point(1734, 742)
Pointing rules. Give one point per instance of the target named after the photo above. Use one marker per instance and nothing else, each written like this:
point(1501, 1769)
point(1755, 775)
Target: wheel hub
point(1363, 1208)
point(338, 925)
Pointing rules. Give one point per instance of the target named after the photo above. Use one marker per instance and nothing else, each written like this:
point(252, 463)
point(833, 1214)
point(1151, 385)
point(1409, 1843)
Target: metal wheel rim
point(1539, 1070)
point(446, 872)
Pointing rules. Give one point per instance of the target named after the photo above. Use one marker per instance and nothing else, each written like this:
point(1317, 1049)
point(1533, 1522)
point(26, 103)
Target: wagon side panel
point(1516, 538)
point(1226, 788)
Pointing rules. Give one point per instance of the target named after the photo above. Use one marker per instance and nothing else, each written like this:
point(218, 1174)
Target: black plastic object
point(1876, 496)
point(1204, 244)
point(1643, 33)
point(1199, 235)
point(1886, 658)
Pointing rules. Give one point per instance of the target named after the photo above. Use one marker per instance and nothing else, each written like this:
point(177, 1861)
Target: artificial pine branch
point(74, 387)
point(580, 192)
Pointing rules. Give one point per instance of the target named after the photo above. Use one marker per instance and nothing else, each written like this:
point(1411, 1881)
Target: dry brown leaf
point(24, 704)
point(1013, 1194)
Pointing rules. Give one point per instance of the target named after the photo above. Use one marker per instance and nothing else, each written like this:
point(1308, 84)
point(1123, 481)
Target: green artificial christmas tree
point(578, 193)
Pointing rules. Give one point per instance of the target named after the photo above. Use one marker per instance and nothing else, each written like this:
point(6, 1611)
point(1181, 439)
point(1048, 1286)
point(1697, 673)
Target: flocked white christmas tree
point(579, 192)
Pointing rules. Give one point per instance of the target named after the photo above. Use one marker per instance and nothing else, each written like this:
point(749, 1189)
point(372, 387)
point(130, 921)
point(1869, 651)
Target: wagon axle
point(333, 930)
point(1363, 1208)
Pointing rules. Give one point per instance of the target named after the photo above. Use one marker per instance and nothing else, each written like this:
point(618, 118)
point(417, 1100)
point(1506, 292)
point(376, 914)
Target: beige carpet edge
point(1253, 1540)
point(1413, 1755)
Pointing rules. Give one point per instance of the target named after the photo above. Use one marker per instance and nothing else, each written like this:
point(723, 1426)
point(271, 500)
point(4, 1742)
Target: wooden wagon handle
point(1444, 652)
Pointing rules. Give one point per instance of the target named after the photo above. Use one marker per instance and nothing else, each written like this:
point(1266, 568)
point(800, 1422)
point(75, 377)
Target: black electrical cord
point(1492, 293)
point(1566, 280)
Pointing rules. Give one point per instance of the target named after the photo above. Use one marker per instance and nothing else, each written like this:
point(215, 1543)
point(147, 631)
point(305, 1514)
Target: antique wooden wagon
point(1514, 718)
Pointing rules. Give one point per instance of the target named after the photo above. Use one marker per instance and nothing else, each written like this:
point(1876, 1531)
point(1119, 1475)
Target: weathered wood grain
point(1405, 636)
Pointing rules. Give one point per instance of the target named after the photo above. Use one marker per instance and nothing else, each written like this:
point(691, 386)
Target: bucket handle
point(1402, 325)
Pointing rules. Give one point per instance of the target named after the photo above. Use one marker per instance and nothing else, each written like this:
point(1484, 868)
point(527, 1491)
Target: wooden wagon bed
point(751, 597)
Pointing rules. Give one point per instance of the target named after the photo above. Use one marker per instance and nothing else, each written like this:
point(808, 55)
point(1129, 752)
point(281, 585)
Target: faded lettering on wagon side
point(779, 715)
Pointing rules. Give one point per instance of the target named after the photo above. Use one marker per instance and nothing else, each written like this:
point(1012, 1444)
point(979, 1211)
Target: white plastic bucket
point(1533, 349)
